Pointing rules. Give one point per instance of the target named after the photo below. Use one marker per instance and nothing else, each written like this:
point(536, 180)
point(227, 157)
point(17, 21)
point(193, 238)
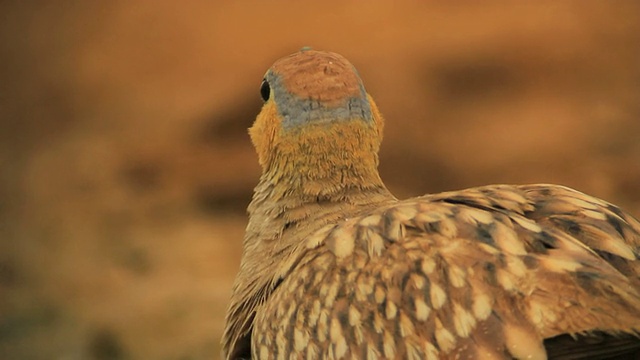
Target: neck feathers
point(331, 161)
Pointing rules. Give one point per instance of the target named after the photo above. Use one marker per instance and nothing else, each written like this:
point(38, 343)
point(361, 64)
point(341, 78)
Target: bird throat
point(329, 162)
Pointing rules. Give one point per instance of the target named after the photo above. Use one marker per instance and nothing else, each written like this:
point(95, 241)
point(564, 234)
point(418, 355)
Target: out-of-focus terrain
point(125, 166)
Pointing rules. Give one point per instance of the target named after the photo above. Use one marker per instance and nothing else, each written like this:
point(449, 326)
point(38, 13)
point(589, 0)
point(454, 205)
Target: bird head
point(316, 110)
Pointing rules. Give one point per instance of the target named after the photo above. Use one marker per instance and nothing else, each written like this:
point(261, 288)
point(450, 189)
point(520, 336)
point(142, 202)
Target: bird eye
point(265, 90)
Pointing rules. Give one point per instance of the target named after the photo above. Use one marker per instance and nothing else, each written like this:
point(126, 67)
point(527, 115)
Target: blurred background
point(125, 165)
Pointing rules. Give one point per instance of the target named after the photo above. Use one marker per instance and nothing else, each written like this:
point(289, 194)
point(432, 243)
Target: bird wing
point(483, 273)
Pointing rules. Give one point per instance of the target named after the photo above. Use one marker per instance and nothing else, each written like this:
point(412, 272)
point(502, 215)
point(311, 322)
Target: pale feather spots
point(580, 203)
point(448, 228)
point(313, 351)
point(355, 320)
point(341, 242)
point(378, 322)
point(391, 310)
point(337, 338)
point(508, 240)
point(284, 319)
point(618, 247)
point(413, 353)
point(523, 344)
point(422, 309)
point(354, 316)
point(363, 290)
point(463, 321)
point(482, 306)
point(323, 326)
point(445, 339)
point(611, 243)
point(541, 315)
point(438, 296)
point(331, 292)
point(536, 315)
point(475, 216)
point(431, 352)
point(560, 265)
point(389, 345)
point(516, 266)
point(457, 276)
point(418, 281)
point(339, 350)
point(301, 319)
point(405, 213)
point(559, 206)
point(371, 220)
point(427, 266)
point(375, 242)
point(372, 352)
point(380, 294)
point(264, 352)
point(513, 196)
point(506, 280)
point(488, 248)
point(406, 325)
point(594, 214)
point(550, 316)
point(409, 245)
point(314, 314)
point(526, 223)
point(394, 231)
point(280, 310)
point(300, 339)
point(429, 216)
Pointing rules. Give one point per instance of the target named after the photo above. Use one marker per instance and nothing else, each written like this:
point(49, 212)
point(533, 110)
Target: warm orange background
point(125, 166)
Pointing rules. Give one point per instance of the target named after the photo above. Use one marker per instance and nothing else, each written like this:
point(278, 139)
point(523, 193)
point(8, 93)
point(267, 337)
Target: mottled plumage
point(334, 266)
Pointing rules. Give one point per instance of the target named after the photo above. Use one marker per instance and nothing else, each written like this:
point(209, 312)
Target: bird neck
point(317, 170)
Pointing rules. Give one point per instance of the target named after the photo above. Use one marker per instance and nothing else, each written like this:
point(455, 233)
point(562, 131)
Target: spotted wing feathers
point(485, 273)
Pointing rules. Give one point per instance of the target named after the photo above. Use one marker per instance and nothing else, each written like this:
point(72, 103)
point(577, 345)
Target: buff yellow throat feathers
point(335, 267)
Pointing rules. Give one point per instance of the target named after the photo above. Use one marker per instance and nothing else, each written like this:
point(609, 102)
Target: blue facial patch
point(296, 111)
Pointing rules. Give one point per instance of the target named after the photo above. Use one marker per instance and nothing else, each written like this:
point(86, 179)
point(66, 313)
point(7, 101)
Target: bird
point(336, 267)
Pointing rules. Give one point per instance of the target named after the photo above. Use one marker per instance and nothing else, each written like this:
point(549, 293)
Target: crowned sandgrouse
point(335, 267)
